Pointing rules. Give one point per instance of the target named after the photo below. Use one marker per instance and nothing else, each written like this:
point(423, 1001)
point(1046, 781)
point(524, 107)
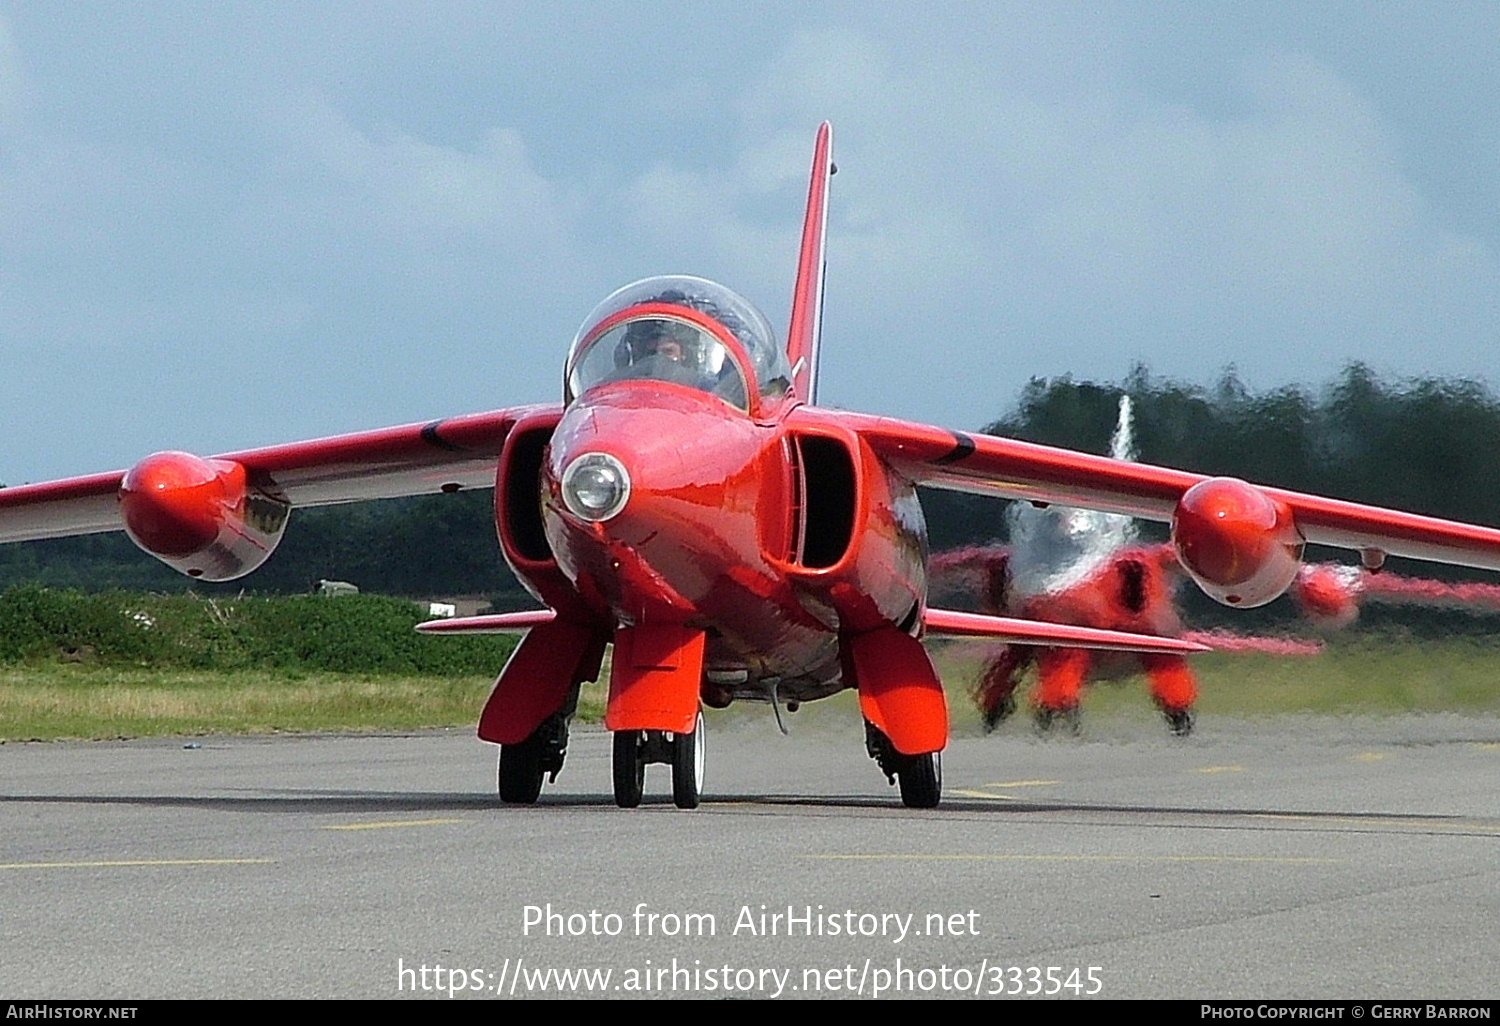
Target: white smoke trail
point(1122, 442)
point(1055, 548)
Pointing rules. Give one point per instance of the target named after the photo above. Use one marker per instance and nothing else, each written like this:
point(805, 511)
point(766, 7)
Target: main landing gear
point(920, 776)
point(1179, 721)
point(522, 766)
point(634, 749)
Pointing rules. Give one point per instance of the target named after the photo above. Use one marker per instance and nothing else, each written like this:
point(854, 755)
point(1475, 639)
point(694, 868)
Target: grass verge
point(1370, 675)
point(53, 702)
point(49, 700)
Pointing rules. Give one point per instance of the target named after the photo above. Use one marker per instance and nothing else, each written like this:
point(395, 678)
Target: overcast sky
point(225, 224)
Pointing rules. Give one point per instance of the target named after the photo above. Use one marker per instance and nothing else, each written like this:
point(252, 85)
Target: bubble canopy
point(672, 328)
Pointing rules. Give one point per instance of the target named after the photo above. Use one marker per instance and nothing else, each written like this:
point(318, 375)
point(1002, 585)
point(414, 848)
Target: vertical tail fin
point(807, 298)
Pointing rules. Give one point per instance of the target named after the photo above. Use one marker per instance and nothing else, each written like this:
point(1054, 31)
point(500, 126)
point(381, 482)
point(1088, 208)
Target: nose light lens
point(595, 486)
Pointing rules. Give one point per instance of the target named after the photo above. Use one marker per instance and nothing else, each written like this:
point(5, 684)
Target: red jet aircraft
point(690, 504)
point(1069, 565)
point(1130, 589)
point(1084, 567)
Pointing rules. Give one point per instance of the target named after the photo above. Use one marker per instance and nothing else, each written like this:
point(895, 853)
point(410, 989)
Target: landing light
point(595, 486)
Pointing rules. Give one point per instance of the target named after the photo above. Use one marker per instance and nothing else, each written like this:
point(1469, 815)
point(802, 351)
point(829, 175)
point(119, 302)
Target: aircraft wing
point(1012, 469)
point(489, 623)
point(945, 623)
point(412, 459)
point(954, 624)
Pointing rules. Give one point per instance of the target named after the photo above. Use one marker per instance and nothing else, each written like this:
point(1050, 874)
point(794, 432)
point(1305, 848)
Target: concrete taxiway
point(1309, 857)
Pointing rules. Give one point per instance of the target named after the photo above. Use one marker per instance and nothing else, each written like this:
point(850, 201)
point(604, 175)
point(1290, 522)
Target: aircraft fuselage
point(772, 536)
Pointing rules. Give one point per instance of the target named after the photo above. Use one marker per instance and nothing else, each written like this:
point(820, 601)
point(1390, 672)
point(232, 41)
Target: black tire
point(1179, 721)
point(521, 772)
point(687, 767)
point(922, 781)
point(629, 767)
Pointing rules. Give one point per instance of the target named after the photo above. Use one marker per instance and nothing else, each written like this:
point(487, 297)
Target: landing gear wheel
point(1179, 721)
point(524, 765)
point(688, 752)
point(920, 776)
point(1002, 711)
point(1068, 721)
point(629, 767)
point(922, 781)
point(521, 772)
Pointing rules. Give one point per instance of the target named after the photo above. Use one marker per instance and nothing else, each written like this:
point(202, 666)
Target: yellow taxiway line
point(1279, 859)
point(119, 863)
point(394, 824)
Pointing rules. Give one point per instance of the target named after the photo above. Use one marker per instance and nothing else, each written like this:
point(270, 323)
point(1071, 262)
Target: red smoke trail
point(1418, 591)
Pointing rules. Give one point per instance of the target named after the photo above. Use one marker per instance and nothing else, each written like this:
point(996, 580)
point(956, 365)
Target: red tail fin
point(807, 299)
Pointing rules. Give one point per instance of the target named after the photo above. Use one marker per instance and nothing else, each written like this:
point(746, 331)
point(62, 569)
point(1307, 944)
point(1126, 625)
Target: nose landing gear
point(635, 749)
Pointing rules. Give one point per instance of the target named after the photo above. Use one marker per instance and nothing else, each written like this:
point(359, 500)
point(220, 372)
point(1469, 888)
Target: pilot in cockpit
point(672, 343)
point(669, 340)
point(675, 351)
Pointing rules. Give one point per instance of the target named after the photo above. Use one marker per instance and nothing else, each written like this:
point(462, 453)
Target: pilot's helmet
point(670, 339)
point(702, 300)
